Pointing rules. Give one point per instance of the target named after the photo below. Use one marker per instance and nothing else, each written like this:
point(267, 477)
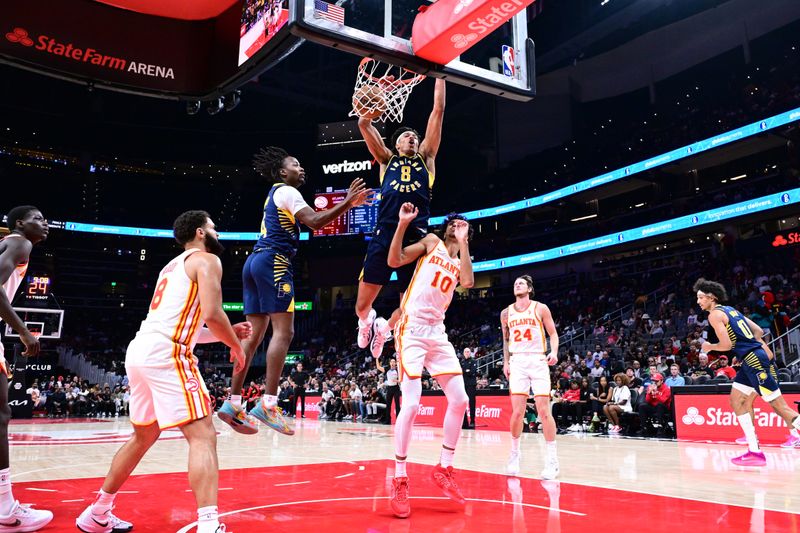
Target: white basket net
point(382, 90)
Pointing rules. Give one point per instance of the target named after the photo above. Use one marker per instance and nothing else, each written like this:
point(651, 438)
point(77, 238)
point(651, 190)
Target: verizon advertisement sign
point(709, 417)
point(491, 412)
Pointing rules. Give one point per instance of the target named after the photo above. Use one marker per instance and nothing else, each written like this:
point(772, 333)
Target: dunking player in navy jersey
point(407, 175)
point(268, 280)
point(742, 337)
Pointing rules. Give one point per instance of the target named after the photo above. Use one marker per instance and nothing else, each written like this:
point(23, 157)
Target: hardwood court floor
point(335, 476)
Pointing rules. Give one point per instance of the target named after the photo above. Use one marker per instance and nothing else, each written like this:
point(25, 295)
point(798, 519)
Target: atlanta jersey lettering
point(431, 289)
point(175, 308)
point(525, 330)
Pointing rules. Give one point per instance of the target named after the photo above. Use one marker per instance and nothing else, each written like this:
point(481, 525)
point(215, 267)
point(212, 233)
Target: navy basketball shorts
point(758, 374)
point(268, 283)
point(376, 266)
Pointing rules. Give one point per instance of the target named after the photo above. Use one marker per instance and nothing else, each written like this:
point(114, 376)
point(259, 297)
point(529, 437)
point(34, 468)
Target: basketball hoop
point(382, 90)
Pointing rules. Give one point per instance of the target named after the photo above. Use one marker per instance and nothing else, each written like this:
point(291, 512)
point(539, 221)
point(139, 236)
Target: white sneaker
point(365, 329)
point(22, 519)
point(380, 330)
point(89, 522)
point(573, 428)
point(551, 469)
point(512, 468)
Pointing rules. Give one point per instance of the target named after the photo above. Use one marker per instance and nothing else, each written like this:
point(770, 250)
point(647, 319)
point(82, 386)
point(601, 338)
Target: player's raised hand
point(408, 212)
point(238, 358)
point(243, 330)
point(461, 230)
point(355, 191)
point(31, 344)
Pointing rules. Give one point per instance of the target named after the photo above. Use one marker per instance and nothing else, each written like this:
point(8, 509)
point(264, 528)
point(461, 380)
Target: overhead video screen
point(261, 20)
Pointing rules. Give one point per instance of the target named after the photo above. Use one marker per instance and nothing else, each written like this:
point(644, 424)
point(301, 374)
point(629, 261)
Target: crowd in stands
point(69, 396)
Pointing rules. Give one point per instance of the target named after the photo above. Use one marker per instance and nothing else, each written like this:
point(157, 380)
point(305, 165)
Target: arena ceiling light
point(193, 107)
point(587, 217)
point(740, 176)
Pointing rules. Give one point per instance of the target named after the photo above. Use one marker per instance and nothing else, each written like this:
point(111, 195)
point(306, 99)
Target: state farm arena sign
point(491, 412)
point(708, 417)
point(98, 43)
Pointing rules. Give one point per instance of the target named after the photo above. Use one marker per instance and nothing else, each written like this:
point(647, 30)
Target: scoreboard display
point(357, 221)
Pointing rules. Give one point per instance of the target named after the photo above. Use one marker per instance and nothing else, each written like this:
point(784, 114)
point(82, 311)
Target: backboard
point(43, 323)
point(502, 63)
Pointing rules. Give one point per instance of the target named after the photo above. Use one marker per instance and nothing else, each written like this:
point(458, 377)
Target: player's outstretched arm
point(467, 276)
point(374, 141)
point(357, 194)
point(399, 255)
point(433, 132)
point(15, 251)
point(206, 270)
point(504, 329)
point(717, 321)
point(550, 328)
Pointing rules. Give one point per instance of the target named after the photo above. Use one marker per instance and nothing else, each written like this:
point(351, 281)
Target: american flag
point(328, 11)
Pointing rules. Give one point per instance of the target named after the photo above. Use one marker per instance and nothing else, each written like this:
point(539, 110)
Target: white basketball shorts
point(423, 345)
point(528, 371)
point(166, 386)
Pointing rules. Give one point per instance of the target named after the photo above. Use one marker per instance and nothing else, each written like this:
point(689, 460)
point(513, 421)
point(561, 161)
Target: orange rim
point(383, 81)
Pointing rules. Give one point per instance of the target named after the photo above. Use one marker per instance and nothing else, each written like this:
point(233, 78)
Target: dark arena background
point(616, 151)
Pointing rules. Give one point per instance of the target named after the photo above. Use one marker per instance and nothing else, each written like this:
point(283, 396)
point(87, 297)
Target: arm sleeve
point(290, 199)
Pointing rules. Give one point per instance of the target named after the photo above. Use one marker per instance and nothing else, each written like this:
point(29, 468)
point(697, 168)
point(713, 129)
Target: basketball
point(369, 101)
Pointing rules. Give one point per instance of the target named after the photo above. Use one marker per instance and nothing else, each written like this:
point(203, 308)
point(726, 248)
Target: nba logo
point(509, 63)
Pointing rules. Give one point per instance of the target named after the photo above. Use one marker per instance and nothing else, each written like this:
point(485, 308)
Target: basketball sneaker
point(89, 522)
point(551, 469)
point(750, 459)
point(237, 418)
point(365, 329)
point(400, 504)
point(791, 442)
point(512, 468)
point(271, 417)
point(380, 330)
point(443, 477)
point(22, 518)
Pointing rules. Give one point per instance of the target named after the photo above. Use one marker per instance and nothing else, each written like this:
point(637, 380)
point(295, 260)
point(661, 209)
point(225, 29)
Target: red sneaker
point(400, 505)
point(443, 477)
point(750, 459)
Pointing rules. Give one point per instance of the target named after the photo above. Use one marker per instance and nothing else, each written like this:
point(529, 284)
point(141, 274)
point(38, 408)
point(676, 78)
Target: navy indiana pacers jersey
point(280, 231)
point(743, 340)
point(406, 179)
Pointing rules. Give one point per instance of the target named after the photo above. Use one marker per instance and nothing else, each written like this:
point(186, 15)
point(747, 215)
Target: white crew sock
point(104, 502)
point(400, 468)
point(446, 457)
point(6, 496)
point(207, 519)
point(236, 400)
point(515, 444)
point(552, 450)
point(746, 423)
point(270, 400)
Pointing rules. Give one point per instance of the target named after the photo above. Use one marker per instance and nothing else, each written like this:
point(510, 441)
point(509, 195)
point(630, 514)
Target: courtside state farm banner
point(491, 412)
point(709, 417)
point(448, 28)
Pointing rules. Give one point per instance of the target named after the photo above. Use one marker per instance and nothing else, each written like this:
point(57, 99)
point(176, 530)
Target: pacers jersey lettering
point(743, 340)
point(431, 289)
point(406, 179)
point(175, 308)
point(525, 330)
point(11, 286)
point(279, 229)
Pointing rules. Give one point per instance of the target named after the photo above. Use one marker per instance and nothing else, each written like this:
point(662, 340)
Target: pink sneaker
point(742, 441)
point(792, 442)
point(750, 459)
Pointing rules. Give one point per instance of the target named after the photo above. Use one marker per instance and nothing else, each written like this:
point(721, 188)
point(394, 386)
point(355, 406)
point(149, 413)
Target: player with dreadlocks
point(268, 280)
